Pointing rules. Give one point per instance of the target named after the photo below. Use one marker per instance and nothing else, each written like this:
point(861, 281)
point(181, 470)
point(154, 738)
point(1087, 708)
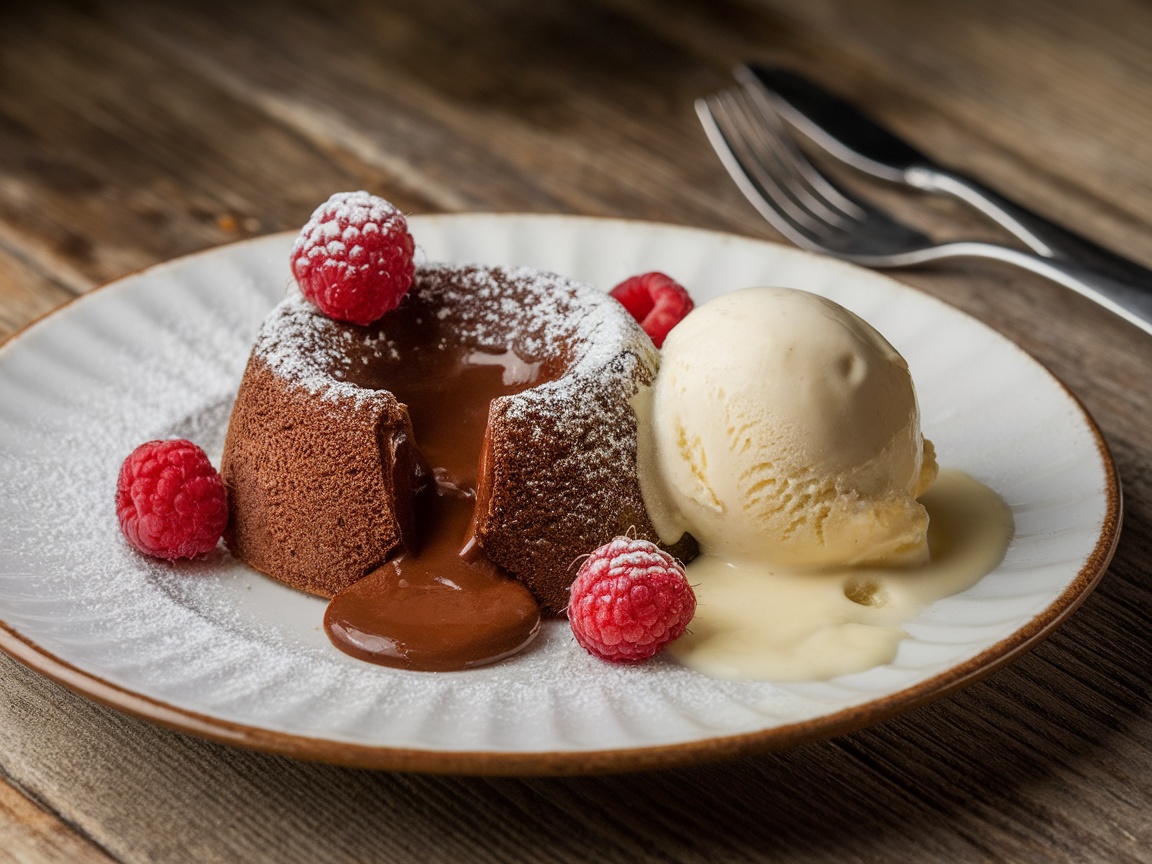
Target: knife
point(848, 135)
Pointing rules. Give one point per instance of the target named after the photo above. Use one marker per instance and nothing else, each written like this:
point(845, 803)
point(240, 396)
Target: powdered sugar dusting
point(537, 313)
point(162, 354)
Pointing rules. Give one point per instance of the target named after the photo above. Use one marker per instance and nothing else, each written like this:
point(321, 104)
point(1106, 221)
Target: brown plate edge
point(575, 762)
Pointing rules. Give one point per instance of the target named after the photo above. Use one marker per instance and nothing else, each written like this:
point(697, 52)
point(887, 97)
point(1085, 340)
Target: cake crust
point(316, 504)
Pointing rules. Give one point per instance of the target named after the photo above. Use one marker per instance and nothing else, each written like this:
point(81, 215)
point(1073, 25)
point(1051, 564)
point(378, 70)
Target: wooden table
point(131, 133)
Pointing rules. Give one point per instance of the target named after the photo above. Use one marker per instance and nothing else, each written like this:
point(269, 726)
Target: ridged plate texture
point(214, 648)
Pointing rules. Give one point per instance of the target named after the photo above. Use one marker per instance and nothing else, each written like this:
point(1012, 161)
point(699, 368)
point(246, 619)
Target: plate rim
point(590, 761)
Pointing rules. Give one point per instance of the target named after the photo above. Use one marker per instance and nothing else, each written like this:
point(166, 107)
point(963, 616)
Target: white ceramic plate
point(215, 649)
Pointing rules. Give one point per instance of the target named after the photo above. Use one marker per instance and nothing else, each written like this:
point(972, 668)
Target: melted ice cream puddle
point(767, 623)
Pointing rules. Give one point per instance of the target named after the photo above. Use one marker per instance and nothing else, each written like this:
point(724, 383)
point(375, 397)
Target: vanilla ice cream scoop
point(785, 429)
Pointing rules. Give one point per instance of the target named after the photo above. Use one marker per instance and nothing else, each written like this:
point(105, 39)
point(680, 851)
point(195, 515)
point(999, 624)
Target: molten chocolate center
point(433, 607)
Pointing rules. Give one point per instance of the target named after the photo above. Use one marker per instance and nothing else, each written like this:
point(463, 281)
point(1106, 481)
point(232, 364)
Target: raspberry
point(170, 500)
point(629, 600)
point(657, 301)
point(353, 258)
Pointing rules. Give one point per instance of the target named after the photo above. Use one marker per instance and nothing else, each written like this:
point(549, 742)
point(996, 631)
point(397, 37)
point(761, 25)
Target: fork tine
point(761, 189)
point(767, 154)
point(759, 153)
point(756, 149)
point(769, 149)
point(821, 194)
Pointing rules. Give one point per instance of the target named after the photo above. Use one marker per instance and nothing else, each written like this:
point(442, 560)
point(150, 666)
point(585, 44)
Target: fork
point(813, 212)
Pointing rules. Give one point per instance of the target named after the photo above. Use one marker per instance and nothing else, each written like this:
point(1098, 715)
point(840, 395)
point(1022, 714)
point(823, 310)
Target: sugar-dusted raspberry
point(657, 301)
point(353, 258)
point(170, 500)
point(629, 600)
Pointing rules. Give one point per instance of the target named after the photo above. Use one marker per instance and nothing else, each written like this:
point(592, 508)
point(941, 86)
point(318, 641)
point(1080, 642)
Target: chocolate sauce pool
point(439, 605)
point(432, 609)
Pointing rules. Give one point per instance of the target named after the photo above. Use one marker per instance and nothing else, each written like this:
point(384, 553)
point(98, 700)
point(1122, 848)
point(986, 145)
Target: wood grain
point(131, 132)
point(29, 834)
point(27, 293)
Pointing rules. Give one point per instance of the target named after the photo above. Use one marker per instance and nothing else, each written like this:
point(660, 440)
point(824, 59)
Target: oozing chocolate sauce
point(433, 607)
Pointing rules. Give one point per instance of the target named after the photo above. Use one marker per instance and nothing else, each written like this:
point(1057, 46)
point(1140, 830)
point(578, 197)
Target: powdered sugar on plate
point(162, 352)
point(160, 355)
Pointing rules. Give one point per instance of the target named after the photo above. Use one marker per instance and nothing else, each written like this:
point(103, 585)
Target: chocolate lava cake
point(323, 462)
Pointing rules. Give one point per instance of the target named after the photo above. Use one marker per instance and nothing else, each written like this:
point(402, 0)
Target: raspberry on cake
point(629, 600)
point(657, 301)
point(170, 501)
point(353, 258)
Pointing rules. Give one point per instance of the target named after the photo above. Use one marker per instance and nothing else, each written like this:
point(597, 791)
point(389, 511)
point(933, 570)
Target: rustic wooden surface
point(131, 133)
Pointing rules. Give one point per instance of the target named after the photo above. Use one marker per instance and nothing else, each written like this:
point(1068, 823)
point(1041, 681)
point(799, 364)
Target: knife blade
point(847, 134)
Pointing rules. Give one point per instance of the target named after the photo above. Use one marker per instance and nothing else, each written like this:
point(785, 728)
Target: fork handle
point(1129, 299)
point(1044, 237)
